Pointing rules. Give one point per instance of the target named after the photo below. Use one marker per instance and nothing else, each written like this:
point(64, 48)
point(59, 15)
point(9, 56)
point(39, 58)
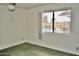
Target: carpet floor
point(27, 49)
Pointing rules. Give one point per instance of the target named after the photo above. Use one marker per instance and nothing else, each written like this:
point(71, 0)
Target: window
point(56, 21)
point(47, 22)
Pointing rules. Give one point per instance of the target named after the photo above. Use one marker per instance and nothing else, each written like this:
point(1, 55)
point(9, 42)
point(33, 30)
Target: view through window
point(47, 22)
point(61, 21)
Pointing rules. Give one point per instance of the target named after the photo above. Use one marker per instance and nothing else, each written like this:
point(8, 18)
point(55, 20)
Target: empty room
point(39, 29)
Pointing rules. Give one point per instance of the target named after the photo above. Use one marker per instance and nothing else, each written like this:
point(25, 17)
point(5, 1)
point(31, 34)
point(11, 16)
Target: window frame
point(51, 10)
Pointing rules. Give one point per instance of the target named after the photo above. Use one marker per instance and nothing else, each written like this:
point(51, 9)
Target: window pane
point(47, 22)
point(62, 21)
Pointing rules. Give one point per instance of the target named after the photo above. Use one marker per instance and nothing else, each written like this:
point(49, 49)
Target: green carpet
point(27, 49)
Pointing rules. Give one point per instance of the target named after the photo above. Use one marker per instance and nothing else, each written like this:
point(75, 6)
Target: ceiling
point(26, 5)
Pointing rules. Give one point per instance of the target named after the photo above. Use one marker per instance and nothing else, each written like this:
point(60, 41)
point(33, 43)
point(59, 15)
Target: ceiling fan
point(11, 7)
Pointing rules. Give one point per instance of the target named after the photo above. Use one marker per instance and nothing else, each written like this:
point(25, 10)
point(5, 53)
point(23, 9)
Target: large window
point(56, 21)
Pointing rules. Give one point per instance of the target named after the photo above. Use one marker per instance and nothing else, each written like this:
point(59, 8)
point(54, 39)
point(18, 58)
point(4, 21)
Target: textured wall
point(12, 31)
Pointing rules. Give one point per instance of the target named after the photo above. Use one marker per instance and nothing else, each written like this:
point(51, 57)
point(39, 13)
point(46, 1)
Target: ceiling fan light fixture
point(11, 6)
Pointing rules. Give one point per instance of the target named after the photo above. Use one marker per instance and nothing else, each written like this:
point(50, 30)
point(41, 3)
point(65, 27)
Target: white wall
point(62, 42)
point(12, 32)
